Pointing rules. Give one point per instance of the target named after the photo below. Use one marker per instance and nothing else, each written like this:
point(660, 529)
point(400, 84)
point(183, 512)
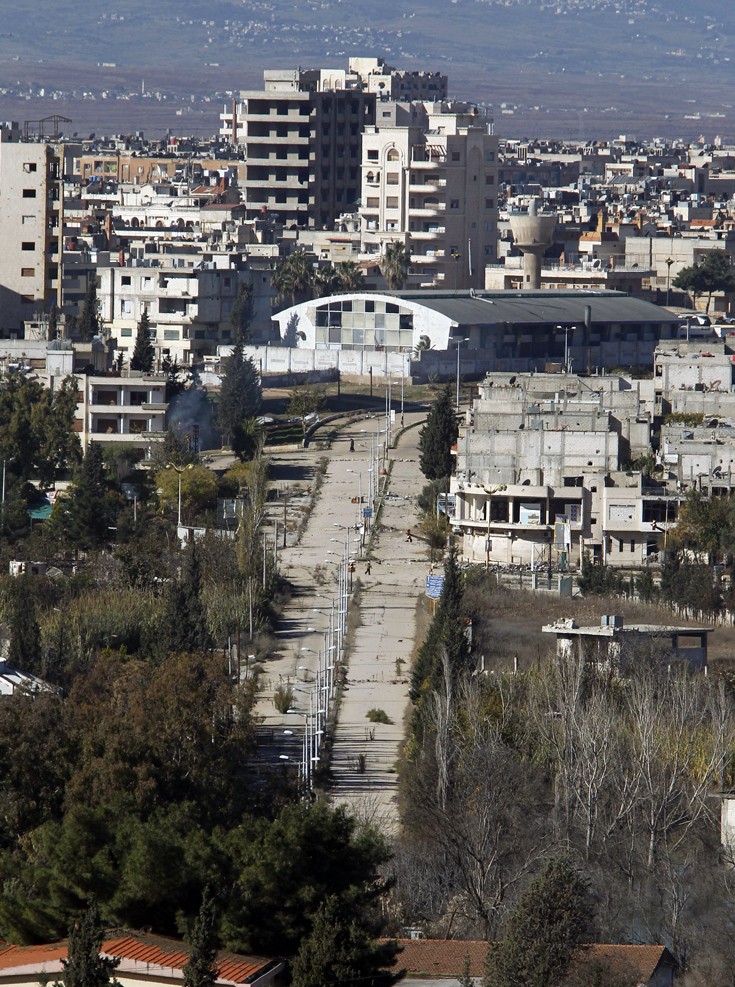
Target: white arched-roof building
point(366, 320)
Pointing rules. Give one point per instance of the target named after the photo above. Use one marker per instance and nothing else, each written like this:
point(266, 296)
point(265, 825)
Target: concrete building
point(541, 474)
point(614, 645)
point(30, 229)
point(429, 180)
point(517, 332)
point(301, 142)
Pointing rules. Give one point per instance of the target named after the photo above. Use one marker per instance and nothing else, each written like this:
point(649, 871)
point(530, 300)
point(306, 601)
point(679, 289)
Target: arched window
point(393, 155)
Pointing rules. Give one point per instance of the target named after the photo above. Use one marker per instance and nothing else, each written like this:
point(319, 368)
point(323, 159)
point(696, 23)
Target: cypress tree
point(437, 437)
point(25, 634)
point(201, 970)
point(548, 926)
point(241, 314)
point(84, 966)
point(143, 352)
point(87, 515)
point(185, 619)
point(88, 323)
point(239, 397)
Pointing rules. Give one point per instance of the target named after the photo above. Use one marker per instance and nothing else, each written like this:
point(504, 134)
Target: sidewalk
point(364, 754)
point(387, 611)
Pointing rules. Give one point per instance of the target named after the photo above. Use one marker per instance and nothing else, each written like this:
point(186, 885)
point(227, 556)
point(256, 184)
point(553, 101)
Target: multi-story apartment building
point(429, 180)
point(302, 146)
point(301, 135)
point(30, 228)
point(188, 296)
point(541, 473)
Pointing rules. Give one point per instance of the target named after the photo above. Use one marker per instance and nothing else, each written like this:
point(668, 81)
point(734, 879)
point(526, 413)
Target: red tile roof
point(446, 958)
point(135, 950)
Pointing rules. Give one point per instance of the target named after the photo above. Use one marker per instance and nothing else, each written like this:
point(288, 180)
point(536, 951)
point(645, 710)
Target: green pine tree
point(201, 970)
point(25, 634)
point(84, 966)
point(437, 438)
point(185, 617)
point(143, 352)
point(87, 517)
point(240, 398)
point(340, 950)
point(550, 923)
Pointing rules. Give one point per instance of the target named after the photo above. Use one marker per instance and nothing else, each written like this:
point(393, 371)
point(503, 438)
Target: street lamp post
point(179, 470)
point(668, 263)
point(459, 343)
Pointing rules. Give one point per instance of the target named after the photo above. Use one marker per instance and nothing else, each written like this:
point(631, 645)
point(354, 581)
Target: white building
point(429, 180)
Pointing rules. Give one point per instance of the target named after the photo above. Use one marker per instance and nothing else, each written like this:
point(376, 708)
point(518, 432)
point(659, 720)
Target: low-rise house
point(144, 959)
point(435, 962)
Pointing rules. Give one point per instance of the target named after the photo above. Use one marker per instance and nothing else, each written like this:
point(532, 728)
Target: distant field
point(572, 68)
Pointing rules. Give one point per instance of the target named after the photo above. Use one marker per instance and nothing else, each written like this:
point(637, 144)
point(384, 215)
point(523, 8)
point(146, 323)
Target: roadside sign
point(434, 587)
point(367, 512)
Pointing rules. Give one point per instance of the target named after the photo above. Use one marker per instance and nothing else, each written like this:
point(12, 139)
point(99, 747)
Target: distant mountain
point(644, 57)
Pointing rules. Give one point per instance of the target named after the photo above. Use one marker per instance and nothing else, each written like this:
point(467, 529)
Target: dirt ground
point(510, 624)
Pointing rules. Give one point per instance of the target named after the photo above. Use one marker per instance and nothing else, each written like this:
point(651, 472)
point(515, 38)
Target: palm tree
point(294, 276)
point(350, 276)
point(395, 264)
point(327, 281)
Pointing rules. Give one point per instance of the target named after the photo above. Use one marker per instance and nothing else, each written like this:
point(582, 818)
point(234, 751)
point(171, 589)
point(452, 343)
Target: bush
point(283, 698)
point(378, 716)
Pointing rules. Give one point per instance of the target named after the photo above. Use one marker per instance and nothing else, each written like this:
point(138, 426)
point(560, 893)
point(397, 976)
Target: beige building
point(30, 222)
point(429, 180)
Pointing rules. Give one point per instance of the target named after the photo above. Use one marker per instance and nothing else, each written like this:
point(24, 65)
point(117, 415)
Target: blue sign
point(434, 587)
point(367, 512)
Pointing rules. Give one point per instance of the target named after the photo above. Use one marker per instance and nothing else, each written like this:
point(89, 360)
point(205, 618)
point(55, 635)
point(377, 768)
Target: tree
point(548, 926)
point(395, 265)
point(286, 868)
point(198, 490)
point(340, 950)
point(53, 322)
point(241, 313)
point(437, 438)
point(351, 276)
point(88, 323)
point(201, 969)
point(25, 634)
point(718, 273)
point(87, 515)
point(294, 276)
point(84, 966)
point(326, 281)
point(240, 398)
point(143, 352)
point(185, 619)
point(306, 400)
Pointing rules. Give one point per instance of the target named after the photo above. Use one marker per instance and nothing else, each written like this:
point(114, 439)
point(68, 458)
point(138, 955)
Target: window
point(393, 155)
point(455, 155)
point(489, 155)
point(28, 220)
point(372, 155)
point(373, 202)
point(489, 203)
point(29, 193)
point(489, 179)
point(632, 544)
point(27, 272)
point(454, 204)
point(126, 332)
point(126, 279)
point(28, 245)
point(30, 166)
point(126, 307)
point(392, 178)
point(392, 202)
